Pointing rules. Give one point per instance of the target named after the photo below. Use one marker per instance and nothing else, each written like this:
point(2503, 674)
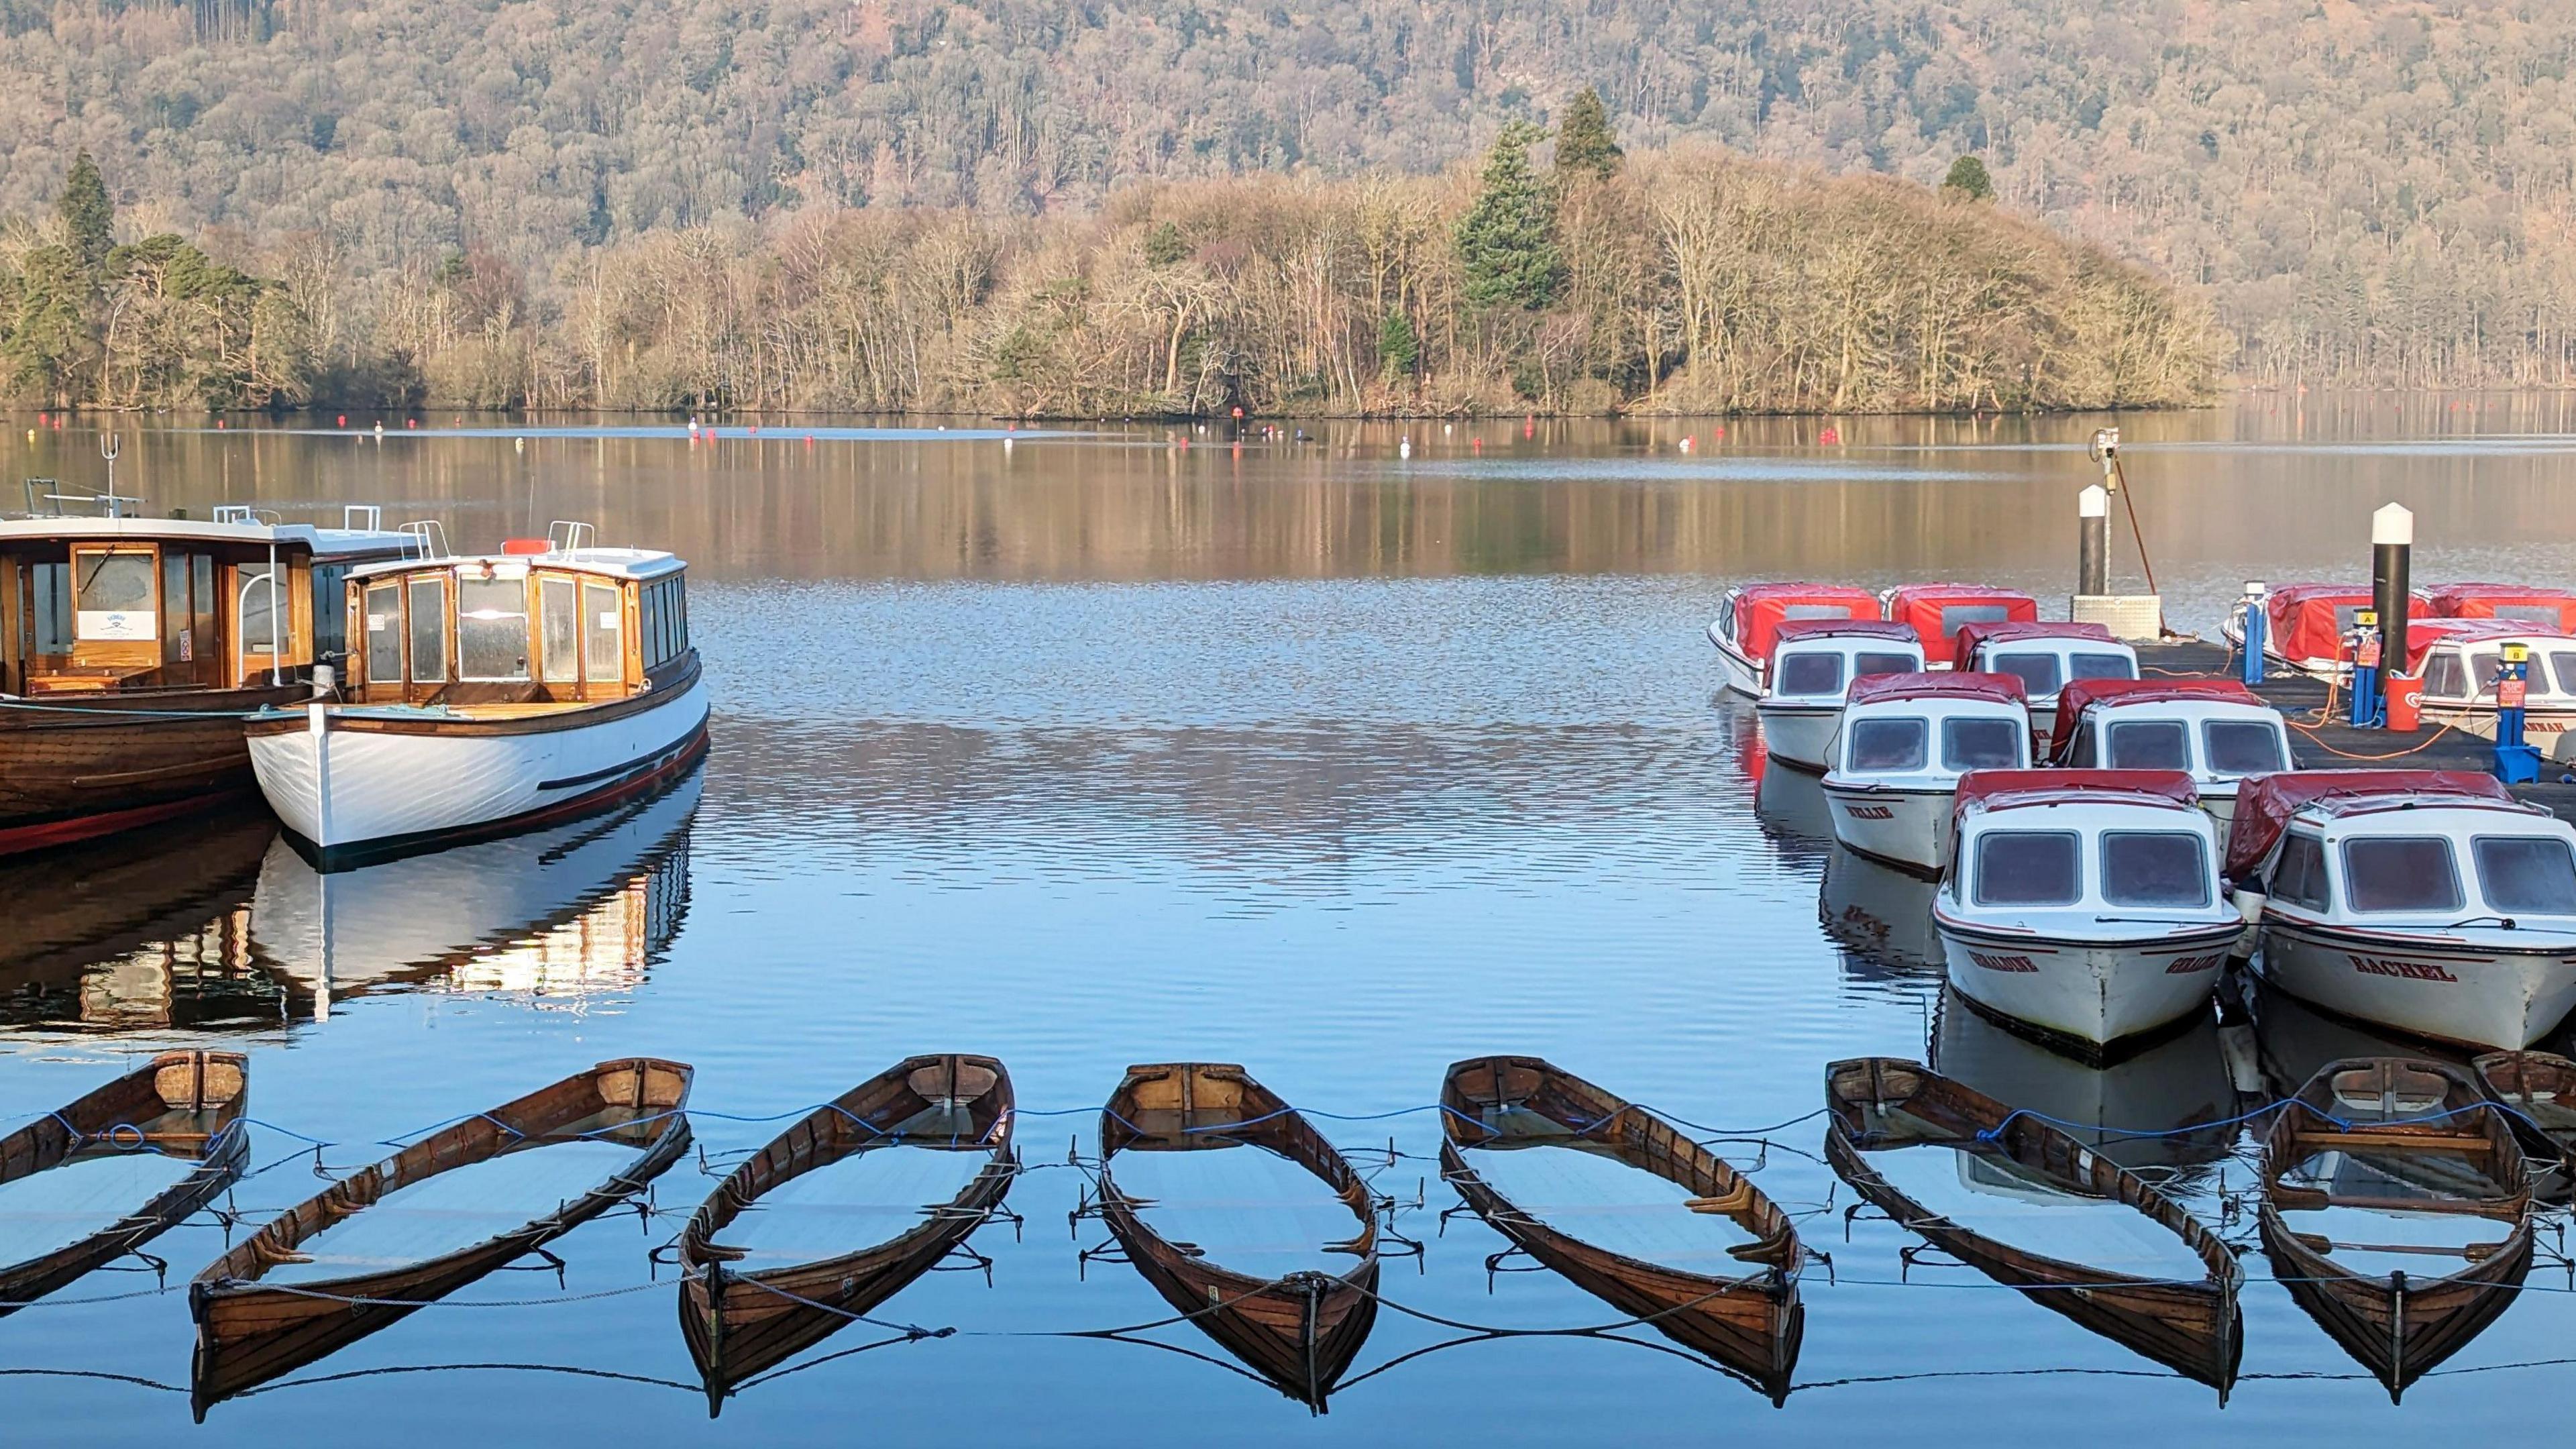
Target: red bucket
point(2405, 703)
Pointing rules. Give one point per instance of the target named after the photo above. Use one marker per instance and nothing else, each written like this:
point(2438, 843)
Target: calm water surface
point(1089, 750)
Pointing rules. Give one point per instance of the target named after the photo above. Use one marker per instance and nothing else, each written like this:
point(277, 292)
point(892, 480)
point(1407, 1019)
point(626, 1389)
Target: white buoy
point(1404, 449)
point(520, 443)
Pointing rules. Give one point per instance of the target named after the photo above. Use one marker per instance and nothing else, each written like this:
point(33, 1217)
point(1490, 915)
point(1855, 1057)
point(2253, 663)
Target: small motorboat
point(2215, 730)
point(2011, 1196)
point(489, 694)
point(154, 1145)
point(743, 1313)
point(1905, 741)
point(2408, 1156)
point(2308, 627)
point(1937, 612)
point(2538, 1090)
point(399, 1235)
point(1299, 1330)
point(2085, 905)
point(1714, 1268)
point(2459, 661)
point(2044, 657)
point(1749, 619)
point(2426, 900)
point(2550, 610)
point(1813, 663)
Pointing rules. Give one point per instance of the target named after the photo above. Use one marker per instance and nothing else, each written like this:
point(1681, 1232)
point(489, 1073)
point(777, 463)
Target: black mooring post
point(2093, 542)
point(2392, 542)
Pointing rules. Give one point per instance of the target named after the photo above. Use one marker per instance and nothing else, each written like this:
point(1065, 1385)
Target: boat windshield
point(1889, 745)
point(1885, 664)
point(2486, 665)
point(2242, 747)
point(1812, 672)
point(2400, 873)
point(2526, 874)
point(1981, 744)
point(2028, 868)
point(2148, 744)
point(2154, 868)
point(2101, 666)
point(2037, 672)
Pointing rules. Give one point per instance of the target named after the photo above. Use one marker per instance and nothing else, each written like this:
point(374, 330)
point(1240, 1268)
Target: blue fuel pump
point(2516, 763)
point(2258, 634)
point(2366, 703)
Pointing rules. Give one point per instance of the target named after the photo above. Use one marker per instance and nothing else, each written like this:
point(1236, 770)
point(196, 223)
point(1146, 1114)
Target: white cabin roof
point(2398, 813)
point(323, 542)
point(617, 563)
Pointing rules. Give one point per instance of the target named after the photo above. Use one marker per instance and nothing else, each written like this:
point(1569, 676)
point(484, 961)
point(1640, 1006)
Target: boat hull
point(2098, 995)
point(2496, 1000)
point(1908, 829)
point(1801, 735)
point(358, 788)
point(77, 769)
point(2553, 732)
point(1739, 673)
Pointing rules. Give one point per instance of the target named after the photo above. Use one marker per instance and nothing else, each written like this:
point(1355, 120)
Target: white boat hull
point(2495, 999)
point(1740, 674)
point(1907, 828)
point(2099, 993)
point(2553, 732)
point(346, 790)
point(1801, 734)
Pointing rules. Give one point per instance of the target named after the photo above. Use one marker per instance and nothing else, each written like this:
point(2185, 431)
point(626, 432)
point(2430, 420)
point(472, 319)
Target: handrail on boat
point(569, 537)
point(428, 539)
point(362, 517)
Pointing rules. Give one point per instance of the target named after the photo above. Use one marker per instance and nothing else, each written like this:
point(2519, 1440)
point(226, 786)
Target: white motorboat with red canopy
point(2552, 610)
point(2215, 730)
point(1813, 662)
point(2459, 661)
point(2309, 626)
point(1749, 619)
point(1937, 612)
point(488, 694)
point(2044, 656)
point(2084, 903)
point(1905, 741)
point(2426, 900)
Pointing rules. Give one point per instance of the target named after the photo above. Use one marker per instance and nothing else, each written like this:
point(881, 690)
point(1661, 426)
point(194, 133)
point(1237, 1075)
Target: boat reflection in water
point(564, 913)
point(2141, 1112)
point(1880, 918)
point(2297, 1041)
point(1794, 816)
point(120, 935)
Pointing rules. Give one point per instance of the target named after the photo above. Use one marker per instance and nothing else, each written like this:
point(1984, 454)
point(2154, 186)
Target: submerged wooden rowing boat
point(185, 1105)
point(2539, 1090)
point(1299, 1331)
point(2406, 1141)
point(1749, 1323)
point(249, 1332)
point(740, 1323)
point(1878, 1104)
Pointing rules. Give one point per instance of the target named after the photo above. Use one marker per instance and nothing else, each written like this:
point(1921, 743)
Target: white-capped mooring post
point(2093, 541)
point(2392, 544)
point(2129, 616)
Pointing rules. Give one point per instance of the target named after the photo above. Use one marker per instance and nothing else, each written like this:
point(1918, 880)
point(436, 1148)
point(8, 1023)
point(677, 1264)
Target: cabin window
point(262, 631)
point(680, 599)
point(2101, 666)
point(1810, 674)
point(603, 657)
point(1955, 615)
point(112, 596)
point(492, 629)
point(2530, 874)
point(2400, 873)
point(2037, 672)
point(559, 629)
point(2154, 868)
point(429, 628)
point(1726, 617)
point(384, 633)
point(1981, 744)
point(2300, 878)
point(2242, 747)
point(2444, 678)
point(178, 641)
point(2151, 744)
point(53, 587)
point(2485, 667)
point(1889, 745)
point(1816, 611)
point(649, 612)
point(2564, 665)
point(205, 607)
point(2079, 756)
point(1885, 664)
point(2028, 868)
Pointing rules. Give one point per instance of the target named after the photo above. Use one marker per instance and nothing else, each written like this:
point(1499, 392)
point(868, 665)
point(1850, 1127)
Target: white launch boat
point(1813, 664)
point(1905, 741)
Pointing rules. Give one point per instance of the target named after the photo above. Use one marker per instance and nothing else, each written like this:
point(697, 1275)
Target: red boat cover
point(1879, 688)
point(2308, 620)
point(2423, 634)
point(1936, 612)
point(2050, 785)
point(2082, 694)
point(1761, 609)
point(1790, 631)
point(2265, 803)
point(2552, 608)
point(1974, 636)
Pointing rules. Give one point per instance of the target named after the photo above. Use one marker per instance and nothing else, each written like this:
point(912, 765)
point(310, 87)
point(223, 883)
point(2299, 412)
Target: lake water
point(1092, 749)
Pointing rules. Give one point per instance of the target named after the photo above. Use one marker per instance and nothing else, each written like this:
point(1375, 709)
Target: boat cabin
point(2458, 660)
point(1923, 731)
point(1813, 661)
point(2437, 849)
point(2551, 609)
point(2309, 626)
point(1749, 619)
point(2215, 730)
point(2086, 843)
point(1937, 612)
point(241, 601)
point(2044, 656)
point(545, 623)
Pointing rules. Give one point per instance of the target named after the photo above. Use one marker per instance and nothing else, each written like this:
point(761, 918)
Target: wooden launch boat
point(2539, 1089)
point(130, 648)
point(249, 1331)
point(740, 1323)
point(185, 1105)
point(490, 694)
point(1750, 1323)
point(1299, 1331)
point(1877, 1104)
point(2396, 1136)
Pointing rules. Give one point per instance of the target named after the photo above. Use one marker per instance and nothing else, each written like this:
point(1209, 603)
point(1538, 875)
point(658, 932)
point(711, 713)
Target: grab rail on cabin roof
point(569, 538)
point(245, 513)
point(428, 539)
point(362, 517)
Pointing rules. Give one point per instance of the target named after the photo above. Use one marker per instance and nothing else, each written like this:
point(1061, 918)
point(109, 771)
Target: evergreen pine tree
point(1506, 239)
point(86, 211)
point(1397, 345)
point(1584, 144)
point(1968, 178)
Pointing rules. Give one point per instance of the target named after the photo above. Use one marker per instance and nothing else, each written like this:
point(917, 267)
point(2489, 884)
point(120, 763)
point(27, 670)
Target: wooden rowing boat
point(739, 1324)
point(1750, 1324)
point(1300, 1331)
point(2539, 1090)
point(2410, 1137)
point(180, 1104)
point(249, 1332)
point(1877, 1104)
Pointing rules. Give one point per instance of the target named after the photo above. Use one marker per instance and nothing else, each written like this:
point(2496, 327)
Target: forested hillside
point(2380, 191)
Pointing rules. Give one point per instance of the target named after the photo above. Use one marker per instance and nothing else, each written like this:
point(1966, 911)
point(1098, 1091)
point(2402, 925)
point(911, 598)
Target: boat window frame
point(538, 583)
point(2074, 840)
point(443, 618)
point(2206, 874)
point(1923, 741)
point(1782, 665)
point(1866, 661)
point(2127, 660)
point(526, 617)
point(1995, 662)
point(2180, 726)
point(2272, 729)
point(1949, 723)
point(2353, 897)
point(2477, 856)
point(2445, 676)
point(614, 675)
point(2313, 846)
point(372, 676)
